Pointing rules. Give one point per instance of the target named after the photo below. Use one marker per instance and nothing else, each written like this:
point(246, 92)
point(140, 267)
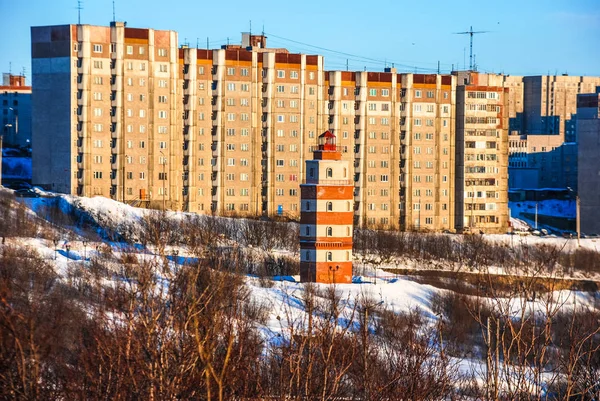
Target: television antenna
point(470, 32)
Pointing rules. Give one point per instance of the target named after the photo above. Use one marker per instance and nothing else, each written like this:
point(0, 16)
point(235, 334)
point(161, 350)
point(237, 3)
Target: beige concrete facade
point(107, 106)
point(481, 158)
point(228, 131)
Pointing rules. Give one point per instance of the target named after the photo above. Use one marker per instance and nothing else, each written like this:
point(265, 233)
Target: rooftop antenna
point(250, 27)
point(470, 32)
point(114, 15)
point(197, 43)
point(79, 8)
point(10, 68)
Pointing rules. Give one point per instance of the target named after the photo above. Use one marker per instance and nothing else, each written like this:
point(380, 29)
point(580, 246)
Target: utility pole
point(578, 219)
point(164, 161)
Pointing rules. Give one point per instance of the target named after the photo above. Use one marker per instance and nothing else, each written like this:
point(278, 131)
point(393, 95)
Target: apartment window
point(162, 145)
point(231, 161)
point(142, 175)
point(385, 92)
point(98, 80)
point(142, 113)
point(417, 93)
point(372, 92)
point(97, 143)
point(97, 48)
point(97, 159)
point(231, 146)
point(231, 86)
point(163, 68)
point(162, 99)
point(162, 129)
point(162, 114)
point(97, 96)
point(129, 49)
point(97, 174)
point(243, 177)
point(280, 74)
point(245, 87)
point(130, 65)
point(162, 52)
point(162, 176)
point(230, 71)
point(162, 83)
point(98, 127)
point(97, 63)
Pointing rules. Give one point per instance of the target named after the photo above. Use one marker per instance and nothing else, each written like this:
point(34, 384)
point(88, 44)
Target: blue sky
point(526, 37)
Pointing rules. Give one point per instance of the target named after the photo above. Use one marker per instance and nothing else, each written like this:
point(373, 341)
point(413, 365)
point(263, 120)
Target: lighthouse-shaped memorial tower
point(326, 216)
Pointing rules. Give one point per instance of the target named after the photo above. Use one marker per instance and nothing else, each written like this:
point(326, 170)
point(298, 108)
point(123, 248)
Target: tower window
point(307, 206)
point(329, 206)
point(329, 172)
point(329, 256)
point(307, 230)
point(329, 231)
point(312, 172)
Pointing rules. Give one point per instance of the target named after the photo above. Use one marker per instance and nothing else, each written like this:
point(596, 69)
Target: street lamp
point(164, 178)
point(55, 241)
point(84, 250)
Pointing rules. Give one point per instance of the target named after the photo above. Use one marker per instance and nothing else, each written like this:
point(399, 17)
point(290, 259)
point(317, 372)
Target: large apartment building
point(122, 112)
point(251, 117)
point(482, 156)
point(107, 112)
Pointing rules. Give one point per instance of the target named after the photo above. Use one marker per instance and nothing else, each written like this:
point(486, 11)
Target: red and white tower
point(326, 216)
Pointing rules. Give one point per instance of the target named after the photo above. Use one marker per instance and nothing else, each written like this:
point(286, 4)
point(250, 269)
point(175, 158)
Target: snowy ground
point(16, 168)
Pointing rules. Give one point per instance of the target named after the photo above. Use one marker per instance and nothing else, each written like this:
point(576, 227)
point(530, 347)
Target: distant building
point(550, 102)
point(588, 131)
point(326, 216)
point(15, 101)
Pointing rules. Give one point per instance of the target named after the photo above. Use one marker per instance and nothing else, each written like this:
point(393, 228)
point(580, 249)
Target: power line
point(363, 59)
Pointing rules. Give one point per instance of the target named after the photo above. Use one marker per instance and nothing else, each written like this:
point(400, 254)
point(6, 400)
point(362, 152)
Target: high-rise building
point(250, 120)
point(107, 112)
point(588, 131)
point(482, 157)
point(326, 216)
point(550, 102)
point(15, 103)
point(227, 131)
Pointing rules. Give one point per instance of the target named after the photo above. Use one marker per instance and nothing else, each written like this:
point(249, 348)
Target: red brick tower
point(326, 216)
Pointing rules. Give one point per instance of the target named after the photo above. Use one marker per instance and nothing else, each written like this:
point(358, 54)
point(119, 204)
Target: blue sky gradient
point(526, 37)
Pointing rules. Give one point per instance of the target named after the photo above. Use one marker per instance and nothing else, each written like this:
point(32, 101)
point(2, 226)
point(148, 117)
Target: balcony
point(315, 181)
